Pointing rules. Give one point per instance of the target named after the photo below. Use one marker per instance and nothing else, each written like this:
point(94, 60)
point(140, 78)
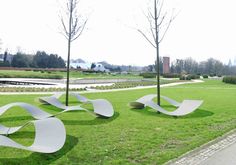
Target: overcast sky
point(202, 29)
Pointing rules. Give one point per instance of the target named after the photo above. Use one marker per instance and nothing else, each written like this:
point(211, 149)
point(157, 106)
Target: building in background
point(100, 68)
point(166, 65)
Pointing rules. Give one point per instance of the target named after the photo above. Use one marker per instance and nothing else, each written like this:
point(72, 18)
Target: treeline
point(40, 60)
point(209, 67)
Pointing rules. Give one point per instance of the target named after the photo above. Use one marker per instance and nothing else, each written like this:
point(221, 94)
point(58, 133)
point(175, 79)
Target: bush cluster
point(171, 75)
point(189, 77)
point(229, 79)
point(41, 76)
point(212, 75)
point(148, 75)
point(205, 76)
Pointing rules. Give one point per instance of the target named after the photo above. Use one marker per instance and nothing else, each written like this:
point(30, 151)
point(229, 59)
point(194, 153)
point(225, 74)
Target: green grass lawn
point(131, 136)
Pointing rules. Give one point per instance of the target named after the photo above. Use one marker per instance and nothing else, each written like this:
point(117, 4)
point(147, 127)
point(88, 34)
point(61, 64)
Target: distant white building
point(100, 68)
point(84, 66)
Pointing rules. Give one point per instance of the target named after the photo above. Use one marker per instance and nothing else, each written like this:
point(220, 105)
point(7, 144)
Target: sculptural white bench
point(184, 108)
point(101, 107)
point(50, 134)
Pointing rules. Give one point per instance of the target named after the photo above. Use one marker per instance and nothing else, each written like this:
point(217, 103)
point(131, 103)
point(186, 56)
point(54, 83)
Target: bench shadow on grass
point(96, 121)
point(40, 158)
point(199, 113)
point(76, 121)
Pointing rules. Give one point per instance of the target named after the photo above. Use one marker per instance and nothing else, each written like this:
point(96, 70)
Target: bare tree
point(158, 24)
point(73, 25)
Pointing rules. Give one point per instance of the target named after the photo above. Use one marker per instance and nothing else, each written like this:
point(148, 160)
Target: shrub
point(212, 74)
point(183, 77)
point(229, 79)
point(46, 76)
point(171, 75)
point(189, 77)
point(205, 76)
point(148, 75)
point(194, 76)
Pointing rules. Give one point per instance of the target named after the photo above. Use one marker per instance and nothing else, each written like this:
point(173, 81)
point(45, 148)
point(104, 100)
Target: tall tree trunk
point(157, 53)
point(68, 58)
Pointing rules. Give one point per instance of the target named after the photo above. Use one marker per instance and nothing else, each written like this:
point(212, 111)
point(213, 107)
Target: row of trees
point(190, 66)
point(40, 60)
point(210, 66)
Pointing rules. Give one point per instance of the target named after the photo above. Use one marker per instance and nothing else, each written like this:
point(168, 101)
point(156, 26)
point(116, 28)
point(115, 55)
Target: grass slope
point(131, 136)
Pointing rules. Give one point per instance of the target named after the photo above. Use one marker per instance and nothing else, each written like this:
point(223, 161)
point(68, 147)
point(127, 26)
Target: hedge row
point(189, 77)
point(205, 76)
point(148, 75)
point(45, 76)
point(171, 75)
point(229, 79)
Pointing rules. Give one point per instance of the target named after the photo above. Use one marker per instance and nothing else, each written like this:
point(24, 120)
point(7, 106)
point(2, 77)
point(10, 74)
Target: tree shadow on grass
point(199, 113)
point(40, 158)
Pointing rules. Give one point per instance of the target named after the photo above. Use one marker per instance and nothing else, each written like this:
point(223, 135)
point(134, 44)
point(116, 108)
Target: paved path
point(100, 91)
point(221, 151)
point(227, 156)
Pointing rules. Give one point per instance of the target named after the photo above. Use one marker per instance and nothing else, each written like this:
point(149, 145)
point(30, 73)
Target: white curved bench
point(184, 108)
point(101, 107)
point(50, 134)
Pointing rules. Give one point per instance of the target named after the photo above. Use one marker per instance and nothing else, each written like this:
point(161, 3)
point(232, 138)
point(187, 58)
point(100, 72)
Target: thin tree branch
point(82, 29)
point(64, 35)
point(162, 19)
point(160, 9)
point(64, 27)
point(146, 37)
point(149, 17)
point(168, 25)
